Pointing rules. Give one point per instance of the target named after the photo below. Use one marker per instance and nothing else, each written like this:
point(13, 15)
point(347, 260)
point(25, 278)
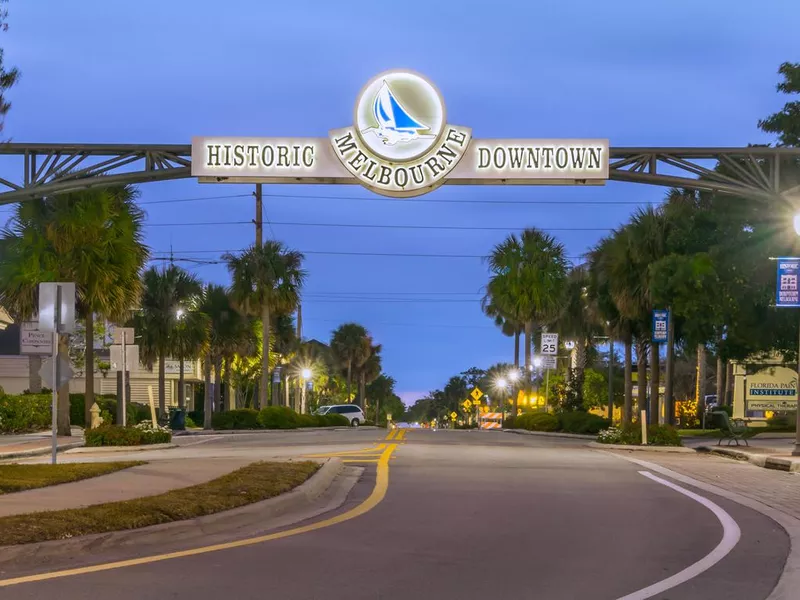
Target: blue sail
point(402, 120)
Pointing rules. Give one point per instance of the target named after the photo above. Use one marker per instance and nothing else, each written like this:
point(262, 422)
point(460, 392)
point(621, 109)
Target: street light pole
point(796, 451)
point(611, 379)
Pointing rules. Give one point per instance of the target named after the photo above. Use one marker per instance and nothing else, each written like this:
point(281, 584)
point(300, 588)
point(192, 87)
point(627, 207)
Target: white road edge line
point(789, 582)
point(730, 537)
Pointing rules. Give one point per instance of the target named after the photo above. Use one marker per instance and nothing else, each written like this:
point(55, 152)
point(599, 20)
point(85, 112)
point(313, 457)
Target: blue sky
point(640, 74)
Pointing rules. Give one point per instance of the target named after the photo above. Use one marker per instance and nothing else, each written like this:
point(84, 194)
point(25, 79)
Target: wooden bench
point(732, 429)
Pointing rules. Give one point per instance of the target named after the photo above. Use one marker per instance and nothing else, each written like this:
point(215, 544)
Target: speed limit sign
point(549, 344)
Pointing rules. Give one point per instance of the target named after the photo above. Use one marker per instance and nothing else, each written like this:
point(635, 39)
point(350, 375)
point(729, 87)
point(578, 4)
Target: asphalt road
point(466, 515)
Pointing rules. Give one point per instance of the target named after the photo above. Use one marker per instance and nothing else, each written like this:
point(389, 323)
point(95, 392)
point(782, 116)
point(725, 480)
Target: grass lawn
point(249, 484)
point(699, 433)
point(16, 478)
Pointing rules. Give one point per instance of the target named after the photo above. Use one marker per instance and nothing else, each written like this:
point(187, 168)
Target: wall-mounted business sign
point(400, 144)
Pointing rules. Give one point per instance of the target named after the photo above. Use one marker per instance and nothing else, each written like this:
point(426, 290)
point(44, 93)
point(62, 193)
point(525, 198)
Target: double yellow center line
point(398, 435)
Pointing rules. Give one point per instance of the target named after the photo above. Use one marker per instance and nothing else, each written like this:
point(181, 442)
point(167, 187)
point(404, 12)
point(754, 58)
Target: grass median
point(249, 484)
point(17, 478)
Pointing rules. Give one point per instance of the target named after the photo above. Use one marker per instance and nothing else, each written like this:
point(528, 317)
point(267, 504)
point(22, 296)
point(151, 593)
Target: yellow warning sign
point(453, 415)
point(476, 394)
point(466, 404)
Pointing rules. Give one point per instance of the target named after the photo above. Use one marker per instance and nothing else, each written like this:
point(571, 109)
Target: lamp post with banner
point(787, 294)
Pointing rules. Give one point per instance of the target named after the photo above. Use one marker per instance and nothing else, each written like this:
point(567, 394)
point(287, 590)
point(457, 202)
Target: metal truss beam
point(57, 168)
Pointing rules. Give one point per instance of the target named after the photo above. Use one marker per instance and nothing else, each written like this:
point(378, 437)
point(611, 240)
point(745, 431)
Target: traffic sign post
point(56, 314)
point(123, 337)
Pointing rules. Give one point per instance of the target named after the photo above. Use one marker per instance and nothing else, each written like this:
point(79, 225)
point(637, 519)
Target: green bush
point(277, 417)
point(510, 422)
point(582, 422)
point(785, 420)
point(336, 420)
point(189, 422)
point(657, 435)
point(241, 418)
point(107, 403)
point(198, 416)
point(114, 435)
point(25, 413)
point(307, 421)
point(537, 421)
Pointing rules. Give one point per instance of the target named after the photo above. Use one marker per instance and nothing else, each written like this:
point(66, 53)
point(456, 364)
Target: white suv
point(352, 412)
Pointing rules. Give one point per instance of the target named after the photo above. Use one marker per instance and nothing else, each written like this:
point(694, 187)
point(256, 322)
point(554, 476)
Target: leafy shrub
point(582, 422)
point(198, 416)
point(510, 422)
point(277, 417)
point(241, 418)
point(188, 422)
point(307, 421)
point(657, 435)
point(114, 435)
point(336, 420)
point(107, 403)
point(21, 414)
point(537, 421)
point(785, 420)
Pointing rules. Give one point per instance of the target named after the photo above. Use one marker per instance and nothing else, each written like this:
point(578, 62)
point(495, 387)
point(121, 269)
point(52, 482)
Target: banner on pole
point(660, 325)
point(786, 293)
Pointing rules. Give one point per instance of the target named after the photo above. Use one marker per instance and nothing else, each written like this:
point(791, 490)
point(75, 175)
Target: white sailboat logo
point(395, 124)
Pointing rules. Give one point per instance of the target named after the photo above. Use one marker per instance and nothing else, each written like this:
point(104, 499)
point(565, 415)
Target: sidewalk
point(144, 480)
point(34, 444)
point(770, 453)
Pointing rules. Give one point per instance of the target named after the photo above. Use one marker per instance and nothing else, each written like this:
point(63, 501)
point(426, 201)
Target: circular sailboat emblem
point(400, 115)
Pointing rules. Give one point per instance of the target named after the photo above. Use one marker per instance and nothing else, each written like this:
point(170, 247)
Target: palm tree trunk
point(207, 407)
point(228, 403)
point(641, 374)
point(720, 379)
point(701, 381)
point(62, 416)
point(580, 370)
point(218, 384)
point(181, 382)
point(349, 377)
point(528, 373)
point(627, 415)
point(516, 348)
point(362, 391)
point(162, 383)
point(655, 366)
point(89, 371)
point(263, 389)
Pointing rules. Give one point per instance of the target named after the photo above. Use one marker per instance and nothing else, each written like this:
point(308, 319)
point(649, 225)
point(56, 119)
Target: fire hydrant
point(97, 420)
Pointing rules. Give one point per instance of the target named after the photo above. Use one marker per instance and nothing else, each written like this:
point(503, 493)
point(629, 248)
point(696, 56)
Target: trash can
point(177, 419)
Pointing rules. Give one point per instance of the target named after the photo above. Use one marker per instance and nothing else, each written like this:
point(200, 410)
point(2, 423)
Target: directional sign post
point(123, 338)
point(56, 314)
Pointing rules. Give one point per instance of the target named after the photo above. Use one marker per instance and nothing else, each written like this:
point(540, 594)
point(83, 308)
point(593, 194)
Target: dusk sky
point(682, 73)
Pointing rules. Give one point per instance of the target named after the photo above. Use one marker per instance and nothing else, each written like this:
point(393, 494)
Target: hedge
point(272, 417)
point(107, 403)
point(114, 435)
point(582, 422)
point(24, 413)
point(537, 421)
point(631, 434)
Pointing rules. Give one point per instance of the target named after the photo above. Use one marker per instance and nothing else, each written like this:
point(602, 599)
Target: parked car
point(353, 412)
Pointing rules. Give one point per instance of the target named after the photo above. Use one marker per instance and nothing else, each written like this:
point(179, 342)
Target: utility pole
point(669, 404)
point(610, 378)
point(259, 217)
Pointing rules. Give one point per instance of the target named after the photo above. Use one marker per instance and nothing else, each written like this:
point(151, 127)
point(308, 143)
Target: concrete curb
point(39, 451)
point(104, 449)
point(576, 436)
point(760, 460)
point(633, 448)
point(197, 432)
point(789, 582)
point(293, 506)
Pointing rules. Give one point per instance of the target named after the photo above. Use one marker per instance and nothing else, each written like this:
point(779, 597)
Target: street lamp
point(537, 362)
point(513, 375)
point(179, 313)
point(306, 373)
point(797, 223)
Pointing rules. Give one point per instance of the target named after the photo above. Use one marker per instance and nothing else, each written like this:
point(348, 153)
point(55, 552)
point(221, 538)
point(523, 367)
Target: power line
point(336, 253)
point(376, 226)
point(424, 325)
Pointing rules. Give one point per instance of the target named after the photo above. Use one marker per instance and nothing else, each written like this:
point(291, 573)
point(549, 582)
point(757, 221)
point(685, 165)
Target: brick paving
point(777, 489)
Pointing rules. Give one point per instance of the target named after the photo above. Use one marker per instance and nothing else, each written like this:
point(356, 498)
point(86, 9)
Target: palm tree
point(369, 370)
point(90, 237)
point(528, 280)
point(165, 291)
point(189, 340)
point(351, 345)
point(506, 322)
point(266, 279)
